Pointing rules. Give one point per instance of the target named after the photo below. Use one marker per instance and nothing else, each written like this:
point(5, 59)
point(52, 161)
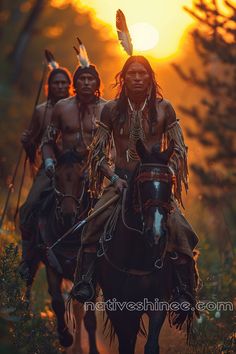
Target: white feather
point(123, 32)
point(83, 56)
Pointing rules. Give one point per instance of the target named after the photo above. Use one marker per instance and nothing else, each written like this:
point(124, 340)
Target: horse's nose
point(153, 235)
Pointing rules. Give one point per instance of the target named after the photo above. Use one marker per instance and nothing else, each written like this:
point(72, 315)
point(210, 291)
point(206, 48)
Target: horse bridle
point(143, 177)
point(61, 196)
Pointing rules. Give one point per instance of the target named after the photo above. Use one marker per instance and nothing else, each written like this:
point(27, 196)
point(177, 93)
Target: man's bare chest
point(76, 120)
point(149, 132)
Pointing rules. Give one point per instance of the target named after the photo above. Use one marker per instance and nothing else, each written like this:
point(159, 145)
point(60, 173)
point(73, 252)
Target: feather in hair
point(52, 64)
point(82, 55)
point(123, 32)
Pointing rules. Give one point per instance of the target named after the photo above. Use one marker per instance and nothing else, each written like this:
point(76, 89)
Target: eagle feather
point(123, 32)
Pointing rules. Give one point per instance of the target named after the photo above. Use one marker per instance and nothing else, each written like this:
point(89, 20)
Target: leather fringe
point(99, 151)
point(178, 162)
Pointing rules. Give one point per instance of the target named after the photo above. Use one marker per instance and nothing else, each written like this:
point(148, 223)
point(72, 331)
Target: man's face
point(86, 85)
point(137, 79)
point(59, 86)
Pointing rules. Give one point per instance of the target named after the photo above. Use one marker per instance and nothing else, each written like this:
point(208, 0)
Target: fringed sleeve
point(178, 162)
point(99, 152)
point(50, 136)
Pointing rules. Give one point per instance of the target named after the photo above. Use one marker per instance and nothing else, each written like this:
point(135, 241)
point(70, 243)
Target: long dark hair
point(121, 96)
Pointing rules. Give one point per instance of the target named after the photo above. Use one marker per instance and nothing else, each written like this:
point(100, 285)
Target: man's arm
point(49, 140)
point(99, 159)
point(29, 136)
point(51, 134)
point(178, 162)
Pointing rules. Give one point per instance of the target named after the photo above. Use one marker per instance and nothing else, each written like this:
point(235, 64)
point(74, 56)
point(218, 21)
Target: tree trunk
point(16, 55)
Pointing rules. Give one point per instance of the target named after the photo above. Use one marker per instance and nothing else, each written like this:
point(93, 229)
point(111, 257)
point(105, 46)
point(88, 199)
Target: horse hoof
point(24, 271)
point(65, 338)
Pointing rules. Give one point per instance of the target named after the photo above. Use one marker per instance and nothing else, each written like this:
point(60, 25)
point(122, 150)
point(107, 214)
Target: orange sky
point(166, 16)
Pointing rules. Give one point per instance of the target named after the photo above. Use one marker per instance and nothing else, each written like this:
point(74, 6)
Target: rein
point(108, 259)
point(61, 196)
point(143, 176)
point(153, 176)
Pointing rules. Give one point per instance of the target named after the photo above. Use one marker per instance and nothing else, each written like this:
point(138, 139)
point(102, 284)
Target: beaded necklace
point(136, 131)
point(80, 134)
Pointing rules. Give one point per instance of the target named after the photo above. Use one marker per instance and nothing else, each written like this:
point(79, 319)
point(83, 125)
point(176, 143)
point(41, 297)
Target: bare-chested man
point(57, 87)
point(139, 98)
point(74, 119)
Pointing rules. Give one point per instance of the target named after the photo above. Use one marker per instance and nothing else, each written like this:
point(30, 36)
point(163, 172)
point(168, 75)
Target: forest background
point(199, 79)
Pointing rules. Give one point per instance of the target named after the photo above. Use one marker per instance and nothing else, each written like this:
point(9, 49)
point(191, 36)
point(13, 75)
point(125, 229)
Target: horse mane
point(69, 157)
point(131, 189)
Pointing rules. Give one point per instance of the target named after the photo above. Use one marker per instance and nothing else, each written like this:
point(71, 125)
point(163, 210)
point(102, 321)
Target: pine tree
point(213, 118)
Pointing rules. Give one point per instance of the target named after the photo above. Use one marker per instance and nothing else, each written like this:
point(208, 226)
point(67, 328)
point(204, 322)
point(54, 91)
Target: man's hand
point(49, 165)
point(120, 184)
point(25, 138)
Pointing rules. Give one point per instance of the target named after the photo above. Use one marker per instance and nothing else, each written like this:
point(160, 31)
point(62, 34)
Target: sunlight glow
point(167, 16)
point(144, 36)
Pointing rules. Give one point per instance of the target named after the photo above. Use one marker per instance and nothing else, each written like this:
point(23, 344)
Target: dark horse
point(134, 267)
point(61, 207)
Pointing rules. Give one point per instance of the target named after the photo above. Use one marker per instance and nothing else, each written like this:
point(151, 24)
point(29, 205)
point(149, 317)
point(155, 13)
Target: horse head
point(154, 188)
point(69, 187)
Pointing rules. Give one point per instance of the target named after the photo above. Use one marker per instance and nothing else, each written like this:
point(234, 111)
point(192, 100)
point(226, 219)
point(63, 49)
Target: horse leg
point(156, 320)
point(126, 327)
point(58, 306)
point(78, 311)
point(29, 283)
point(90, 323)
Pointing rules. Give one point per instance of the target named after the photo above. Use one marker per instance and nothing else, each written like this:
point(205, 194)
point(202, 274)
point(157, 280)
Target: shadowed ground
point(171, 340)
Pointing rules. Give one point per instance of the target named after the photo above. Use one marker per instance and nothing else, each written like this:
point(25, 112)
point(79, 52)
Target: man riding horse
point(138, 113)
point(57, 87)
point(74, 119)
point(73, 126)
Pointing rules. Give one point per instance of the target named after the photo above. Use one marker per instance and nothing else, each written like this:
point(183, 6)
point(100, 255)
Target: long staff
point(50, 254)
point(12, 183)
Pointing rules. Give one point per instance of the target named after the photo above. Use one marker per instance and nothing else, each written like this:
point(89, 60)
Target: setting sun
point(144, 36)
point(167, 17)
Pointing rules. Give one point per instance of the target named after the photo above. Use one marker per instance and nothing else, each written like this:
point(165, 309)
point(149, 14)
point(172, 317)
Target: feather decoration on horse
point(82, 55)
point(123, 32)
point(52, 64)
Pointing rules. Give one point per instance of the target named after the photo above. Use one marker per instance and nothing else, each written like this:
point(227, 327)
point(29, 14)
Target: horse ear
point(166, 155)
point(141, 149)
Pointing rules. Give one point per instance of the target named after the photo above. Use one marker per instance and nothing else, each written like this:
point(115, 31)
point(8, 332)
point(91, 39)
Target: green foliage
point(213, 127)
point(215, 331)
point(15, 313)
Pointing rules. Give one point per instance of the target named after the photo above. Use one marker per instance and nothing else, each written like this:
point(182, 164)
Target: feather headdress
point(123, 32)
point(82, 55)
point(52, 64)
